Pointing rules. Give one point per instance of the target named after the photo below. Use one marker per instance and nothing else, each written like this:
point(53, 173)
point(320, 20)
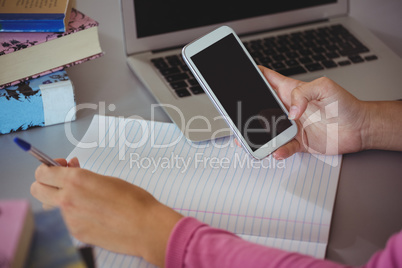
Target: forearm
point(193, 244)
point(383, 125)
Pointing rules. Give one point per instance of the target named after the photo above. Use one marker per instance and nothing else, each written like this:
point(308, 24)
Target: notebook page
point(286, 204)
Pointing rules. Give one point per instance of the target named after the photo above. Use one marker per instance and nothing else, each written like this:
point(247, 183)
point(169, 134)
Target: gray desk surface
point(367, 208)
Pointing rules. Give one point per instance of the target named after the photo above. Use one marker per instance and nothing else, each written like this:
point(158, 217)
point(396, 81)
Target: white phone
point(240, 92)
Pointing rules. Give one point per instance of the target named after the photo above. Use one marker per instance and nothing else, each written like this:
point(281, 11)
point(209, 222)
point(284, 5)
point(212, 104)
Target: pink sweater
point(195, 244)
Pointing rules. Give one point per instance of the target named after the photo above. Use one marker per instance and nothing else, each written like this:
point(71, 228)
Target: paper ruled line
point(252, 217)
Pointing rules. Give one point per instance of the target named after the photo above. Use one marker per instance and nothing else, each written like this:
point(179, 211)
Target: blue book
point(38, 102)
point(52, 245)
point(34, 16)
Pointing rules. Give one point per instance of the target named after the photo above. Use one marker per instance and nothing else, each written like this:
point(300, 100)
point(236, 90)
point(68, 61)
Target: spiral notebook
point(285, 204)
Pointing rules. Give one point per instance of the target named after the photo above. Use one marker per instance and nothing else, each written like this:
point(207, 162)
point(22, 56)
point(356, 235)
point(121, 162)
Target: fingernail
point(74, 162)
point(277, 156)
point(293, 112)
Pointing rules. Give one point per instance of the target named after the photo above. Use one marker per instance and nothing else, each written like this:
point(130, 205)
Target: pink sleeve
point(195, 244)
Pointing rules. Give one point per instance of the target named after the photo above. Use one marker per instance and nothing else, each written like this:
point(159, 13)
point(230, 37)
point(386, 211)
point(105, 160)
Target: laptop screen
point(161, 16)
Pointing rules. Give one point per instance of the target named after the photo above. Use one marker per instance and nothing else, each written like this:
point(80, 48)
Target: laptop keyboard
point(289, 54)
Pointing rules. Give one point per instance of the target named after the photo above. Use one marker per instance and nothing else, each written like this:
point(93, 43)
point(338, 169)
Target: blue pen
point(35, 152)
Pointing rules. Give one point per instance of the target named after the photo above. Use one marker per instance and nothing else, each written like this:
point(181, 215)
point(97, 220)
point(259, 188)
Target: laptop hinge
point(252, 33)
point(167, 49)
point(285, 27)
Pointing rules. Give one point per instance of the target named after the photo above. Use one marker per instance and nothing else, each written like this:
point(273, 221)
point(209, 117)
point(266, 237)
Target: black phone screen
point(241, 91)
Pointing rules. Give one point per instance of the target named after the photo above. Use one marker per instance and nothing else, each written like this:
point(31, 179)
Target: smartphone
point(229, 76)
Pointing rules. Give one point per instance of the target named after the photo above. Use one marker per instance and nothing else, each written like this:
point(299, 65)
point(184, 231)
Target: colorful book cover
point(39, 102)
point(12, 44)
point(16, 232)
point(34, 16)
point(52, 245)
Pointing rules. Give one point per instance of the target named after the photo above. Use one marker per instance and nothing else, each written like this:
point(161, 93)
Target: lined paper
point(285, 204)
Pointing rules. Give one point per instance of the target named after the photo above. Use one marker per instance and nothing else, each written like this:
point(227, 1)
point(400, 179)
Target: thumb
point(287, 150)
point(281, 84)
point(275, 79)
point(301, 96)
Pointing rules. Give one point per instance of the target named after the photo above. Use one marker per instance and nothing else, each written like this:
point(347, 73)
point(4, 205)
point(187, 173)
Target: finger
point(316, 90)
point(302, 95)
point(237, 142)
point(51, 176)
point(61, 161)
point(275, 79)
point(46, 194)
point(281, 84)
point(74, 162)
point(287, 150)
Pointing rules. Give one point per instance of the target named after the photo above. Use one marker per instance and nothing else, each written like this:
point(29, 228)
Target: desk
point(366, 210)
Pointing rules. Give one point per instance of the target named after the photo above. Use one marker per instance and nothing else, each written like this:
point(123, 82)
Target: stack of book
point(38, 41)
point(39, 239)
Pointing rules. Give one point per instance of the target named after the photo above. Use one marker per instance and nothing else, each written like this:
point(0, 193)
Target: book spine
point(19, 81)
point(12, 42)
point(39, 102)
point(31, 16)
point(16, 232)
point(34, 16)
point(32, 26)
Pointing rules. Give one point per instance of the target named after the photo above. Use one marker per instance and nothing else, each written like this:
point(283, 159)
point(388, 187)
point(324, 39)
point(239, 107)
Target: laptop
point(301, 39)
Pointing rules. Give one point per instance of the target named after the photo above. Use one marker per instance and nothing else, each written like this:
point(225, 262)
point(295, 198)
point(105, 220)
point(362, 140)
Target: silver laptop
point(302, 39)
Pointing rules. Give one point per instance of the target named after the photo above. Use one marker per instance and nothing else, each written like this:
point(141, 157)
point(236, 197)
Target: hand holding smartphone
point(240, 92)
